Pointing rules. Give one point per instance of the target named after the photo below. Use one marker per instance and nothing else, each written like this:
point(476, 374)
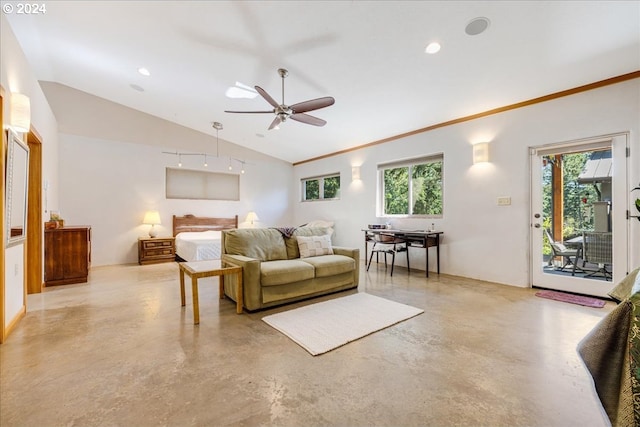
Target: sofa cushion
point(280, 272)
point(331, 265)
point(293, 251)
point(311, 246)
point(265, 244)
point(627, 287)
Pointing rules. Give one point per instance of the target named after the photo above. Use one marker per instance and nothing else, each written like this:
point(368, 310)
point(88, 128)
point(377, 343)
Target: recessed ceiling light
point(144, 71)
point(477, 26)
point(433, 47)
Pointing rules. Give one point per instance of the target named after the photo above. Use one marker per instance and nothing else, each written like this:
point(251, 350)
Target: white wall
point(109, 185)
point(482, 240)
point(16, 76)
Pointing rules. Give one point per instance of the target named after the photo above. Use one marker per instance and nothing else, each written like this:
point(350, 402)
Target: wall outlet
point(504, 201)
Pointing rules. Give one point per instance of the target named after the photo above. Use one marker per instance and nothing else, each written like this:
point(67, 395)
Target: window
point(321, 188)
point(412, 187)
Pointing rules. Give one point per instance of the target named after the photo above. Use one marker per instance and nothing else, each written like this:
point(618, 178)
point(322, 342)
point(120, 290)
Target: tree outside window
point(321, 188)
point(421, 195)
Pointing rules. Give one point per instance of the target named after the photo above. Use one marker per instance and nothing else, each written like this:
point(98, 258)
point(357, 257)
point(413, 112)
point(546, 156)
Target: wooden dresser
point(67, 255)
point(156, 249)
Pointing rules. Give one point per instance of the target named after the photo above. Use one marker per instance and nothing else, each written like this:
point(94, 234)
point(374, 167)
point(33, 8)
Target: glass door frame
point(619, 222)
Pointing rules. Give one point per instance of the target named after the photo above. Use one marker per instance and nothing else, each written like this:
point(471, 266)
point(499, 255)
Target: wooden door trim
point(33, 260)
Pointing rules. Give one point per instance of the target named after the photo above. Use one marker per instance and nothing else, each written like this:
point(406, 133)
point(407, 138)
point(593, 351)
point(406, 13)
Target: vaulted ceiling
point(370, 56)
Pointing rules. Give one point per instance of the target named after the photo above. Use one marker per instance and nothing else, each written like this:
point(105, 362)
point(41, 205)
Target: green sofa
point(274, 272)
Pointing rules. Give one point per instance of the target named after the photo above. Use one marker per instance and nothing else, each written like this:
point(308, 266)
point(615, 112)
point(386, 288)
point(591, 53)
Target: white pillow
point(321, 223)
point(311, 246)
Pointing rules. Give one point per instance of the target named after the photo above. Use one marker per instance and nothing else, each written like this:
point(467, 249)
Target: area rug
point(324, 326)
point(571, 298)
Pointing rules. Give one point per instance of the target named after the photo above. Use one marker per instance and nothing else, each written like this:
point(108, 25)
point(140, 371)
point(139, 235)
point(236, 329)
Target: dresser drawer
point(158, 252)
point(155, 244)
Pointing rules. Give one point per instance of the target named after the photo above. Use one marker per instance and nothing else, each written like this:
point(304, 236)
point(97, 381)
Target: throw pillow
point(311, 246)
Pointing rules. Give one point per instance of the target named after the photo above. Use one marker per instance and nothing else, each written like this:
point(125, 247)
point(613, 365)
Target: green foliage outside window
point(312, 189)
point(321, 188)
point(578, 198)
point(332, 187)
point(396, 191)
point(425, 197)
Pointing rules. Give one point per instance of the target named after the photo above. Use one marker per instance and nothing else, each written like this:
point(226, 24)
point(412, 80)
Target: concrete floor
point(120, 351)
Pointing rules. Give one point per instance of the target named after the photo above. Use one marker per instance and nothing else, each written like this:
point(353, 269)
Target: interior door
point(592, 193)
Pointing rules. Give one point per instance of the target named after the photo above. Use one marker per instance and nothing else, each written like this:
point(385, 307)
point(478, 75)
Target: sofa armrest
point(352, 253)
point(250, 280)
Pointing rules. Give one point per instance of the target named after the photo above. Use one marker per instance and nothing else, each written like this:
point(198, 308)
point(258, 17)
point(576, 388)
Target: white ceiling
point(368, 55)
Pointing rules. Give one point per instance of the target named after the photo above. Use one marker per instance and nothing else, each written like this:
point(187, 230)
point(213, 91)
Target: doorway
point(579, 231)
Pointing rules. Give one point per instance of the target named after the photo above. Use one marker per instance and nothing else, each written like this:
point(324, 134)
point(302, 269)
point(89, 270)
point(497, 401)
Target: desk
point(414, 239)
point(198, 269)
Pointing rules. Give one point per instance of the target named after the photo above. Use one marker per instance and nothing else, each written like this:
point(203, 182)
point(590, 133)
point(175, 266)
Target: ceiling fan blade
point(314, 104)
point(275, 122)
point(310, 120)
point(266, 96)
point(251, 112)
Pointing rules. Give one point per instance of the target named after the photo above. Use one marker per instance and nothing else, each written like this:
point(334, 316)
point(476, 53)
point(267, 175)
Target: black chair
point(388, 244)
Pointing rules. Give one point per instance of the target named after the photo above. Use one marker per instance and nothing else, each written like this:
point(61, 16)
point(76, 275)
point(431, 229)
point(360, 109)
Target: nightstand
point(156, 249)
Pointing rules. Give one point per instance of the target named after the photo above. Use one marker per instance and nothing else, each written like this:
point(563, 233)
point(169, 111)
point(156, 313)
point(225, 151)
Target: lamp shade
point(355, 173)
point(251, 217)
point(481, 152)
point(20, 110)
point(152, 218)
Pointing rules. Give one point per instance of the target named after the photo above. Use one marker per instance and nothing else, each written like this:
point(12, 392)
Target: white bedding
point(197, 246)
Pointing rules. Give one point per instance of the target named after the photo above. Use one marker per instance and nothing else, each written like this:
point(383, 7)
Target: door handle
point(536, 225)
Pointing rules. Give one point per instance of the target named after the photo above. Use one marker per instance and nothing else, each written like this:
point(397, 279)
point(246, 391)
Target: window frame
point(408, 163)
point(320, 179)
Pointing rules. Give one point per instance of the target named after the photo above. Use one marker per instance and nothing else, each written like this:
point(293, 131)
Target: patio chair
point(388, 244)
point(598, 249)
point(569, 256)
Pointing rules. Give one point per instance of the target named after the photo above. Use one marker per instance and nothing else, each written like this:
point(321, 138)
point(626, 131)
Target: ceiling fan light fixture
point(296, 111)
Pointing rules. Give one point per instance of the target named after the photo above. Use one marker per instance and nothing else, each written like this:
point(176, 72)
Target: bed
point(198, 238)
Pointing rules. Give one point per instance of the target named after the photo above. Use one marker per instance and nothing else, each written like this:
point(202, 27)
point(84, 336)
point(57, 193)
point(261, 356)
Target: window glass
point(311, 189)
point(321, 188)
point(332, 187)
point(412, 187)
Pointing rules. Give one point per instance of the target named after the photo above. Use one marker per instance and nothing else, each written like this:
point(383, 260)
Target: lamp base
point(153, 232)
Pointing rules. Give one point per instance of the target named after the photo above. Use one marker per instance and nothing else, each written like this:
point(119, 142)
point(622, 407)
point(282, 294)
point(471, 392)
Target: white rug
point(321, 327)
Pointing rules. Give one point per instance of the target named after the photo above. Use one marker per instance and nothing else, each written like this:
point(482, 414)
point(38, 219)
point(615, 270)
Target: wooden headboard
point(197, 223)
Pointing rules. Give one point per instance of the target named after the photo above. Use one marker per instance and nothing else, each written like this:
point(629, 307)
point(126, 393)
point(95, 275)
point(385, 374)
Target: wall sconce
point(152, 218)
point(355, 173)
point(251, 217)
point(20, 108)
point(481, 152)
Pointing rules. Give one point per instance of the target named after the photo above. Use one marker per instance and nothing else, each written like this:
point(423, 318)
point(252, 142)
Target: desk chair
point(598, 249)
point(560, 250)
point(388, 244)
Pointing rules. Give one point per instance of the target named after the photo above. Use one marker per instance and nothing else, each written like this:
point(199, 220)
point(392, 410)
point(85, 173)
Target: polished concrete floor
point(120, 351)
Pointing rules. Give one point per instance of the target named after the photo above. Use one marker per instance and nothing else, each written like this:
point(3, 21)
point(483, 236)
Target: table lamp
point(152, 218)
point(251, 217)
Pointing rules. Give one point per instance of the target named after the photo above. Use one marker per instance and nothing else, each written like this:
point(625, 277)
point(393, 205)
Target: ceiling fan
point(295, 112)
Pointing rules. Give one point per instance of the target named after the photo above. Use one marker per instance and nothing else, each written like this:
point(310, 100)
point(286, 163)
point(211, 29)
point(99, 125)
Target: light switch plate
point(504, 201)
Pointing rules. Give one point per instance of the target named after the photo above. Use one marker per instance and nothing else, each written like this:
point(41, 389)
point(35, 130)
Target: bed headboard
point(197, 223)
